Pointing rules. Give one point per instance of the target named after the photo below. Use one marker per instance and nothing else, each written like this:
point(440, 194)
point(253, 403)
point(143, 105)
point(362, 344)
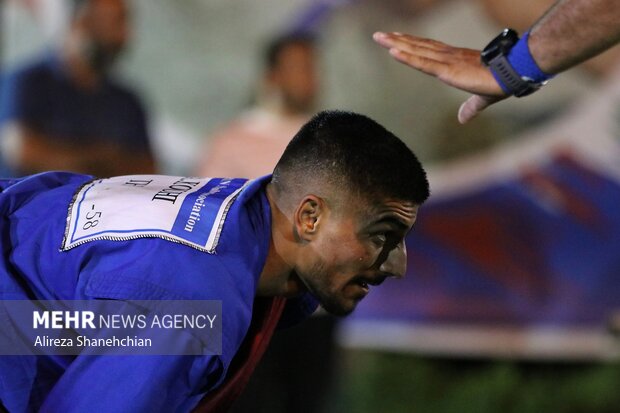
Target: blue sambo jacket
point(68, 237)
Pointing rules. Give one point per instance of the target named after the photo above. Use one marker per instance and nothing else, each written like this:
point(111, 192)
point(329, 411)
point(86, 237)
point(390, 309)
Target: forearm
point(520, 15)
point(569, 33)
point(573, 31)
point(139, 383)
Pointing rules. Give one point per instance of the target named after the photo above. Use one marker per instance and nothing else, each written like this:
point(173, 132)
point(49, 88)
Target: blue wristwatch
point(512, 64)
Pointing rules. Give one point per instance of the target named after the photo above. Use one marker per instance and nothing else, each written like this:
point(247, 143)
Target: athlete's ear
point(308, 216)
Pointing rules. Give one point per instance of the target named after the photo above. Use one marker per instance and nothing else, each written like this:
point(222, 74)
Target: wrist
point(510, 61)
point(521, 59)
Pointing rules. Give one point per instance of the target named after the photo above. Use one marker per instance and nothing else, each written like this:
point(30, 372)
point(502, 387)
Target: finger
point(386, 40)
point(382, 39)
point(409, 43)
point(474, 105)
point(470, 108)
point(424, 64)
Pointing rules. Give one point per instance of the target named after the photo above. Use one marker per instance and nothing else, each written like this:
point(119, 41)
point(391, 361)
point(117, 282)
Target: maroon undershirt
point(265, 316)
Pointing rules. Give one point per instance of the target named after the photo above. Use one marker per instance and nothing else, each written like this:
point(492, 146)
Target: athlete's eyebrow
point(391, 220)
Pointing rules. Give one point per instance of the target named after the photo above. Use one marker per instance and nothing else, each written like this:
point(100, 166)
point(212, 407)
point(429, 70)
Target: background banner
point(516, 254)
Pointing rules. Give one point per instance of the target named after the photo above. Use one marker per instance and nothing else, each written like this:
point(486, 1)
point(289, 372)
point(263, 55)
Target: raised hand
point(458, 67)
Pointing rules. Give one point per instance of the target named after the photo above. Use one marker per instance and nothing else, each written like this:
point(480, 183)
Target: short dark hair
point(279, 43)
point(354, 153)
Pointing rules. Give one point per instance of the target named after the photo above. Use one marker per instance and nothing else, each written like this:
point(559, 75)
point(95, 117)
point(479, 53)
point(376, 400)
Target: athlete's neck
point(278, 277)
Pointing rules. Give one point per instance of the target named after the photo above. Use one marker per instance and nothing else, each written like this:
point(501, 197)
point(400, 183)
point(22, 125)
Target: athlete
point(327, 227)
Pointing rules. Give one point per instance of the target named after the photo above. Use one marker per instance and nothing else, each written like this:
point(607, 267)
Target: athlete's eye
point(379, 239)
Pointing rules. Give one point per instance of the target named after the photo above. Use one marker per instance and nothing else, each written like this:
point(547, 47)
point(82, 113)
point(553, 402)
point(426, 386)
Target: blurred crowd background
point(502, 310)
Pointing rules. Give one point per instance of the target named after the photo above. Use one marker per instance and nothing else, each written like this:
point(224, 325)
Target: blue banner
point(517, 254)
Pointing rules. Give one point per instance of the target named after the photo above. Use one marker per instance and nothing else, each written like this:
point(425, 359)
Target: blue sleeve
point(119, 384)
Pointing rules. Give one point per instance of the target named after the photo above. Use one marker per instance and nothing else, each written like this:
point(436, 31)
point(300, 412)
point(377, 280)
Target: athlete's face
point(354, 251)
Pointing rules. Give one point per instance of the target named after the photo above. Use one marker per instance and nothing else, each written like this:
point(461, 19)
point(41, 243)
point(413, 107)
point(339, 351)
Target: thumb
point(474, 105)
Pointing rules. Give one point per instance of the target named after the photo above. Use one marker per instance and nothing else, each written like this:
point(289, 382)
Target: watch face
point(501, 45)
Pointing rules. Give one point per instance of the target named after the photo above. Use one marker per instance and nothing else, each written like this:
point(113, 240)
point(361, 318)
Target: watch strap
point(512, 64)
point(521, 59)
point(510, 81)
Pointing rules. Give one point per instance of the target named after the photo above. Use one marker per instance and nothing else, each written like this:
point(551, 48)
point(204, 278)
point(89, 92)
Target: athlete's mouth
point(363, 285)
point(366, 282)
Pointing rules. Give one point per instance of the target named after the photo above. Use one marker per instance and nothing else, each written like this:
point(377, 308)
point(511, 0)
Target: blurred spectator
point(251, 145)
point(296, 373)
point(64, 111)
